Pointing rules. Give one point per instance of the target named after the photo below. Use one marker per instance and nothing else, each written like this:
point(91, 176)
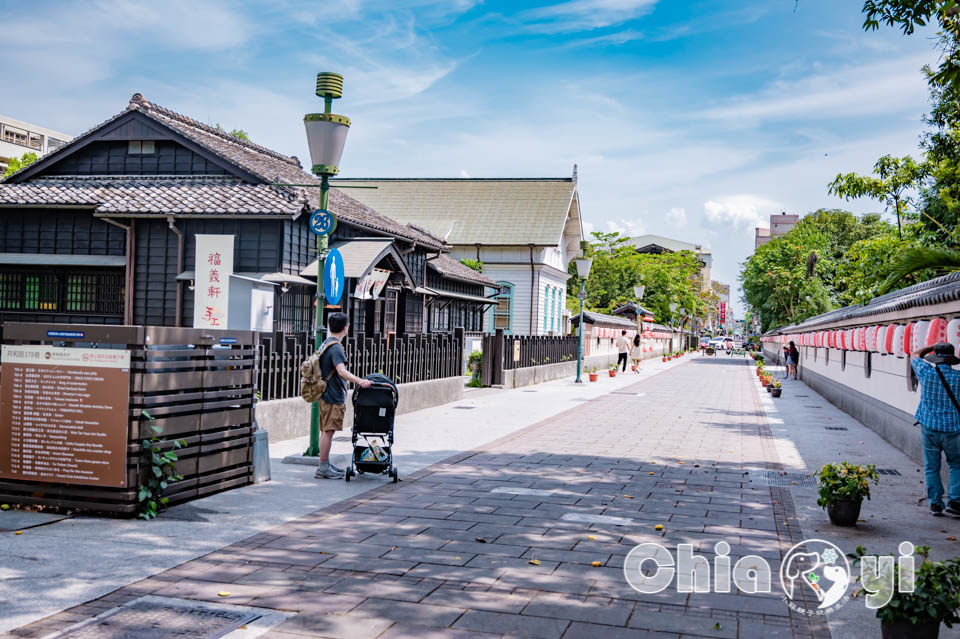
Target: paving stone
point(684, 624)
point(575, 609)
point(494, 601)
point(429, 556)
point(403, 631)
point(579, 630)
point(383, 589)
point(473, 547)
point(368, 564)
point(334, 626)
point(308, 601)
point(423, 614)
point(457, 573)
point(502, 623)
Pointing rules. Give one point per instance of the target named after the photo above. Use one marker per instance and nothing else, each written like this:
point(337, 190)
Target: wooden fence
point(194, 385)
point(507, 352)
point(411, 358)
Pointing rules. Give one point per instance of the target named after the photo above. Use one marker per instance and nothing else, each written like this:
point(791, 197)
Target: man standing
point(623, 350)
point(333, 402)
point(939, 418)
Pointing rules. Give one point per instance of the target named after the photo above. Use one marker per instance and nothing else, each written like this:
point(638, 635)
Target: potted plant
point(915, 615)
point(777, 388)
point(663, 358)
point(842, 489)
point(612, 370)
point(473, 365)
point(593, 374)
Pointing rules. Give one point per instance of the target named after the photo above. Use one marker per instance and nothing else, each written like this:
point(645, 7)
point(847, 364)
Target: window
point(390, 311)
point(547, 292)
point(14, 136)
point(91, 292)
point(138, 147)
point(502, 316)
point(413, 314)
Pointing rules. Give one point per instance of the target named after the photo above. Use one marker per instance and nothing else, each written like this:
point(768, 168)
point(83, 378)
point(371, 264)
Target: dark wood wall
point(61, 231)
point(112, 158)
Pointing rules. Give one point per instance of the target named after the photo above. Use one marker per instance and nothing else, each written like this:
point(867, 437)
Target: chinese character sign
point(212, 268)
point(370, 287)
point(723, 312)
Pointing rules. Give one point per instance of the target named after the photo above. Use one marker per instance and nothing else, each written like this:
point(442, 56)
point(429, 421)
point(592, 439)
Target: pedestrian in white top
point(636, 354)
point(623, 349)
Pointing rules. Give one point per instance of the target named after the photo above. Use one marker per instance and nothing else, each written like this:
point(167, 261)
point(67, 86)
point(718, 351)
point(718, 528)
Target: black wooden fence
point(411, 358)
point(507, 352)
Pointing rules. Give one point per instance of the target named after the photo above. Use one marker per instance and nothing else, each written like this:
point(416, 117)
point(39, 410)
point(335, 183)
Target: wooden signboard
point(63, 415)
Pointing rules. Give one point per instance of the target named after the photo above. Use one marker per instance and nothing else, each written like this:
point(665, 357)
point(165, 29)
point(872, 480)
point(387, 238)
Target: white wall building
point(17, 138)
point(525, 231)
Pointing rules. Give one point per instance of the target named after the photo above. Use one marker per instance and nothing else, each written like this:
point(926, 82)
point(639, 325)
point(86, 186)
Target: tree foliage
point(15, 164)
point(617, 268)
point(895, 179)
point(807, 271)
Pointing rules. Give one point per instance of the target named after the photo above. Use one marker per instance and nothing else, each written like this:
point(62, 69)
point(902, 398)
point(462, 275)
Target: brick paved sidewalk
point(447, 552)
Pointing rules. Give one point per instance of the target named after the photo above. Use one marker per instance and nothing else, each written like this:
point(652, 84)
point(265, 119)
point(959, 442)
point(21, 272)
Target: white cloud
point(739, 211)
point(891, 86)
point(588, 228)
point(629, 228)
point(615, 39)
point(677, 217)
point(584, 15)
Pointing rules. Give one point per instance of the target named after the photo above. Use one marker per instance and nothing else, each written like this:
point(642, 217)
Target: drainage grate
point(152, 620)
point(887, 471)
point(528, 391)
point(801, 396)
point(811, 406)
point(836, 427)
point(465, 407)
point(785, 480)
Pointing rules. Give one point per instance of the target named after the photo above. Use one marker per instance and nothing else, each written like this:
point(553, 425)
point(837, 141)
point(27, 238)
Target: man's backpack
point(312, 382)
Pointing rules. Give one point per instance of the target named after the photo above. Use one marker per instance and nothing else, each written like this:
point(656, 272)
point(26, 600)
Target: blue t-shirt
point(936, 410)
point(336, 392)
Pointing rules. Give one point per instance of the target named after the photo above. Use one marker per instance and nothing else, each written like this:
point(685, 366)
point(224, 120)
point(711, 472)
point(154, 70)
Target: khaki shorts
point(331, 416)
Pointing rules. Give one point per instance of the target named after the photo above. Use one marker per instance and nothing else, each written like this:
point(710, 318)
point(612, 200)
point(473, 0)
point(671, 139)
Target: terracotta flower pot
point(613, 373)
point(663, 359)
point(594, 377)
point(634, 368)
point(903, 629)
point(844, 512)
point(764, 381)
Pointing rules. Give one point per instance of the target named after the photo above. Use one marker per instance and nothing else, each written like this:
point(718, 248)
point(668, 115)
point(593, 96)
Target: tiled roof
point(600, 318)
point(455, 269)
point(471, 211)
point(670, 244)
point(135, 195)
point(940, 290)
point(263, 163)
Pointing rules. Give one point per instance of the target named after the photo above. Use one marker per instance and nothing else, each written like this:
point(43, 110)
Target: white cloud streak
point(584, 15)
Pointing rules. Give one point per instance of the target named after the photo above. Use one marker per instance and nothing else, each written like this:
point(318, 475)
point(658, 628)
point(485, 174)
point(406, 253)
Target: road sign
point(322, 222)
point(582, 295)
point(333, 283)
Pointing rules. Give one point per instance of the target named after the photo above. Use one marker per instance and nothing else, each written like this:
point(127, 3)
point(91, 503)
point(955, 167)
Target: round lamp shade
point(871, 343)
point(901, 339)
point(881, 339)
point(937, 332)
point(918, 337)
point(326, 137)
point(953, 334)
point(889, 339)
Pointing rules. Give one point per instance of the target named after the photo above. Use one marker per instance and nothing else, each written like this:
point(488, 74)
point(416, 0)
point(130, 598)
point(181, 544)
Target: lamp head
point(673, 307)
point(583, 267)
point(638, 291)
point(327, 132)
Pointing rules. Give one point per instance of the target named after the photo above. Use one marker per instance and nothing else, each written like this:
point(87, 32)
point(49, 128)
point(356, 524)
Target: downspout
point(170, 224)
point(532, 289)
point(127, 270)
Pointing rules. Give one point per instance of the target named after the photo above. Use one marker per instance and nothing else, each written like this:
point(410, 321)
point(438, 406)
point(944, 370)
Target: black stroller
point(373, 411)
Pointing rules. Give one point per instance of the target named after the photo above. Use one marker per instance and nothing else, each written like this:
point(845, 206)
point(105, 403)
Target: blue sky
point(690, 119)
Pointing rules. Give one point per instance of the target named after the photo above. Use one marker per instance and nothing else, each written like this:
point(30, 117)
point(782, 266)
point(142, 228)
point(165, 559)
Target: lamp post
point(583, 272)
point(326, 136)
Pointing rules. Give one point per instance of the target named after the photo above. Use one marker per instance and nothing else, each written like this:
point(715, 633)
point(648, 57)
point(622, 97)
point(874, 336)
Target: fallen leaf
point(717, 626)
point(950, 538)
point(223, 593)
point(680, 463)
point(458, 557)
point(534, 562)
point(658, 527)
point(19, 532)
point(651, 472)
point(628, 496)
point(596, 564)
point(4, 506)
point(731, 451)
point(480, 540)
point(591, 536)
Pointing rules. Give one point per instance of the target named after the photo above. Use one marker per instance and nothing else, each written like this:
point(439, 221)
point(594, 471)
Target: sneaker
point(936, 510)
point(335, 467)
point(953, 508)
point(326, 472)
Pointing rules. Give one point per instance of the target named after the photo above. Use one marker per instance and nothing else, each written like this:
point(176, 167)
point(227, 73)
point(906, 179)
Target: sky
point(695, 120)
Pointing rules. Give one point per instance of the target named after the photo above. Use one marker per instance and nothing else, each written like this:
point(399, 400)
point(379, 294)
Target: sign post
point(63, 415)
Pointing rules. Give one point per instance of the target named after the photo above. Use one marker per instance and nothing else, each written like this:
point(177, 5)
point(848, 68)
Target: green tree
point(895, 178)
point(237, 133)
point(15, 164)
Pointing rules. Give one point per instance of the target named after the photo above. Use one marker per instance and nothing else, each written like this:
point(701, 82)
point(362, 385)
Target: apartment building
point(779, 225)
point(17, 138)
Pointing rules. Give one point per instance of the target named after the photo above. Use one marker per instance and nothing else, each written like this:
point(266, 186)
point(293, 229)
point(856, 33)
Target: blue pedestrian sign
point(322, 222)
point(333, 282)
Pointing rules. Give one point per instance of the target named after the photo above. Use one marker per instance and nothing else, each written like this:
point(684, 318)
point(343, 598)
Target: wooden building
point(102, 231)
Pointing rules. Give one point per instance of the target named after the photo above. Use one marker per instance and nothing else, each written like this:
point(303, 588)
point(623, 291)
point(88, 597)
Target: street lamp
point(583, 272)
point(326, 136)
point(638, 292)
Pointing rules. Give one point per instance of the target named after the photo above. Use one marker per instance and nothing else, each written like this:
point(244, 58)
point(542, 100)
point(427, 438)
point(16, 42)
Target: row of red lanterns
point(892, 339)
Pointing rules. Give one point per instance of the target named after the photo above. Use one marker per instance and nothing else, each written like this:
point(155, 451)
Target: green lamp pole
point(583, 272)
point(326, 136)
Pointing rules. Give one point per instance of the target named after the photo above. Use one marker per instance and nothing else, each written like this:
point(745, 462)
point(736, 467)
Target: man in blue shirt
point(333, 402)
point(939, 419)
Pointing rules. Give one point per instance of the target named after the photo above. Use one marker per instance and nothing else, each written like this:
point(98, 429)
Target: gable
point(105, 150)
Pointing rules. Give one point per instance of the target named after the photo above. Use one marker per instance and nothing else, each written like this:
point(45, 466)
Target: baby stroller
point(373, 411)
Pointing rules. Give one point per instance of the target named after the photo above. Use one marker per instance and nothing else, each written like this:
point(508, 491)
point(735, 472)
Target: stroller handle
point(381, 385)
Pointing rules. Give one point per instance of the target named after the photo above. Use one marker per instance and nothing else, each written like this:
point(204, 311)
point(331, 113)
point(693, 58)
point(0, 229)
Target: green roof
point(476, 211)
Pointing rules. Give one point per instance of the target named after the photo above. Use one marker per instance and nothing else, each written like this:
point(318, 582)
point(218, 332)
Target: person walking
point(623, 350)
point(786, 362)
point(793, 358)
point(939, 417)
point(637, 353)
point(333, 402)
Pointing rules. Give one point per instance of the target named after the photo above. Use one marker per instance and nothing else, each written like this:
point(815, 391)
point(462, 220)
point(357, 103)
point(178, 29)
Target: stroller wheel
point(348, 473)
point(393, 473)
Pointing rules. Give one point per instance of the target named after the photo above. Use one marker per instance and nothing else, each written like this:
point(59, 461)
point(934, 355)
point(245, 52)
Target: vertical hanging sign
point(212, 269)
